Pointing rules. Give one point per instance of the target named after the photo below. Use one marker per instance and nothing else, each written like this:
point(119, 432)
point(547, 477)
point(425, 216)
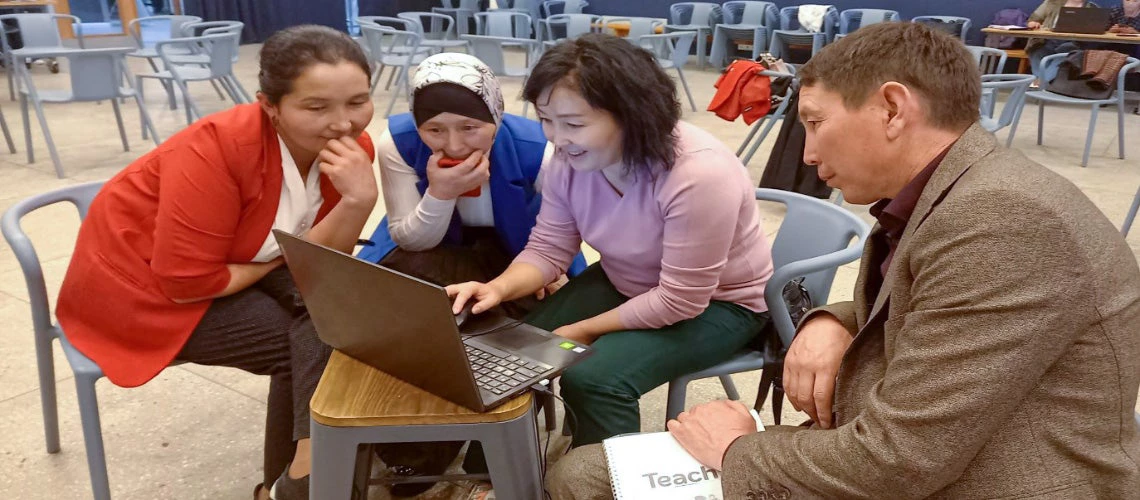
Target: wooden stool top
point(353, 394)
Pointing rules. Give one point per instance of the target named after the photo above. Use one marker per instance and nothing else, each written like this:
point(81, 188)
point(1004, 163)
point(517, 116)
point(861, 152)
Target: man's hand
point(811, 365)
point(350, 170)
point(707, 430)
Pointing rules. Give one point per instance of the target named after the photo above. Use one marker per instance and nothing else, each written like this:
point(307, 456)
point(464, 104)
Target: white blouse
point(419, 223)
point(299, 204)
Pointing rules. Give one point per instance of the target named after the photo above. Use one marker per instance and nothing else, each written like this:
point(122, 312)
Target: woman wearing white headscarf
point(473, 217)
point(460, 223)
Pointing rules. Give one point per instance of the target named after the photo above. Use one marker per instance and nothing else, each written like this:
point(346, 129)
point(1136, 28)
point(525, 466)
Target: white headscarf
point(464, 70)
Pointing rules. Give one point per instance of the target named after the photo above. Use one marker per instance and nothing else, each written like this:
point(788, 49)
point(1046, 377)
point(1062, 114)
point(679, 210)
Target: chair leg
point(218, 90)
point(1040, 120)
point(93, 436)
point(1088, 139)
point(1123, 229)
point(549, 411)
point(334, 462)
point(45, 365)
point(777, 400)
point(513, 458)
point(729, 387)
point(1120, 126)
point(685, 84)
point(675, 404)
point(141, 100)
point(768, 124)
point(119, 121)
point(702, 49)
point(1013, 126)
point(48, 140)
point(230, 91)
point(388, 86)
point(7, 134)
point(191, 107)
point(751, 134)
point(147, 123)
point(403, 82)
point(375, 79)
point(27, 128)
point(238, 86)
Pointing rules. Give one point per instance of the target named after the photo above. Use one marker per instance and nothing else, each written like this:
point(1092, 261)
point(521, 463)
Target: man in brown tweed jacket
point(993, 346)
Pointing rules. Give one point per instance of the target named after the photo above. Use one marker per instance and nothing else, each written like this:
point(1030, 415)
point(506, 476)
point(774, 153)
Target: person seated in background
point(992, 348)
point(671, 210)
point(176, 262)
point(454, 223)
point(1125, 19)
point(1045, 17)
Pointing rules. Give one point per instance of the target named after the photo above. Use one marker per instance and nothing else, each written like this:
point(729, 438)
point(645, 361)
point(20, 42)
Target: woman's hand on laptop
point(1033, 25)
point(484, 295)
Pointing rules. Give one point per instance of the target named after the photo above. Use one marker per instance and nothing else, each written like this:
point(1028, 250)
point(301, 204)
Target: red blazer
point(164, 228)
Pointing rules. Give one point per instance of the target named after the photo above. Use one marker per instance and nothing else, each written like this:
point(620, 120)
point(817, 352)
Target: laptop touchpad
point(516, 338)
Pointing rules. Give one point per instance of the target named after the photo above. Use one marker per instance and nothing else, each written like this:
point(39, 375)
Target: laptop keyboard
point(500, 375)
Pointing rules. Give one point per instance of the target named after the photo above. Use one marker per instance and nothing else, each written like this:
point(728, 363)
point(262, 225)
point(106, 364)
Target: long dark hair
point(612, 74)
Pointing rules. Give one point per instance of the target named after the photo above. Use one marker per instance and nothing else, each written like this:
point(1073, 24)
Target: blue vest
point(515, 158)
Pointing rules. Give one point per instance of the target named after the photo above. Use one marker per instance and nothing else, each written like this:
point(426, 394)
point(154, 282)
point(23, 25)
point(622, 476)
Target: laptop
point(404, 327)
point(1085, 20)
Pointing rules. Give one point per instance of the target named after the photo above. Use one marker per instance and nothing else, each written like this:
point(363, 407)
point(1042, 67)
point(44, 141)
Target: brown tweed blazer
point(1001, 358)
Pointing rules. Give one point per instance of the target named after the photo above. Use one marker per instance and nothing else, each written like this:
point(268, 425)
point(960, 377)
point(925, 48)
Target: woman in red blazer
point(176, 261)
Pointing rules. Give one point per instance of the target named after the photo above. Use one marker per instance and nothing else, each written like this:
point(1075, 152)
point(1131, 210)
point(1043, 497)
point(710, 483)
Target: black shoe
point(287, 488)
point(407, 490)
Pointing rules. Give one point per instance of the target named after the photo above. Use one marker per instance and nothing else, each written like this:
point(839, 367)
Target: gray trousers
point(265, 330)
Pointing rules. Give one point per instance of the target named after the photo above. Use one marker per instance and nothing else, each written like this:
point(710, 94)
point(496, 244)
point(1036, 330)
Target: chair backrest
point(673, 47)
point(39, 30)
point(812, 229)
point(503, 23)
point(751, 13)
point(790, 20)
point(174, 23)
point(990, 60)
point(957, 26)
point(391, 46)
point(853, 19)
point(96, 74)
point(695, 13)
point(571, 25)
point(79, 195)
point(401, 23)
point(198, 28)
point(554, 7)
point(1017, 85)
point(222, 49)
point(471, 5)
point(431, 25)
point(489, 49)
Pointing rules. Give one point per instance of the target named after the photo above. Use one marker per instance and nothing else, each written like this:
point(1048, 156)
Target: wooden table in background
point(621, 28)
point(1054, 35)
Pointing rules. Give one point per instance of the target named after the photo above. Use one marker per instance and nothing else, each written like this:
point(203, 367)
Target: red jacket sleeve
point(198, 212)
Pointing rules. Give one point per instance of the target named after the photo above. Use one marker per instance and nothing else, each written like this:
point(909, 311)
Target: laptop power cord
point(572, 422)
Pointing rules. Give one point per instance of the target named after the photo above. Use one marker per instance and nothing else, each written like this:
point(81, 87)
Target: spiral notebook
point(654, 466)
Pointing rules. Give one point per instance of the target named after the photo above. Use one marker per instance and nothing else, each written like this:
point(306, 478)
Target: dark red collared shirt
point(893, 216)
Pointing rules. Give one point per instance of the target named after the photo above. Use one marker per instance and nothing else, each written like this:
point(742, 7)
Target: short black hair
point(289, 52)
point(617, 76)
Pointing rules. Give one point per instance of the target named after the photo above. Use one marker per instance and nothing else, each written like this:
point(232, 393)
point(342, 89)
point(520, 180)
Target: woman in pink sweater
point(680, 284)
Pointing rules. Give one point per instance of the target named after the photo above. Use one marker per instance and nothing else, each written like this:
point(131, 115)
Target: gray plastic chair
point(853, 19)
point(569, 26)
point(744, 22)
point(991, 61)
point(1044, 96)
point(388, 45)
point(697, 17)
point(40, 34)
point(555, 7)
point(769, 121)
point(96, 75)
point(462, 13)
point(145, 49)
point(957, 26)
point(791, 33)
point(437, 31)
point(992, 86)
point(46, 331)
point(814, 239)
point(396, 48)
point(196, 56)
point(504, 24)
point(221, 49)
point(491, 50)
point(672, 51)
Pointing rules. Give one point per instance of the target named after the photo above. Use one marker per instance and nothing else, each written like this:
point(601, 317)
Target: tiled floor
point(196, 432)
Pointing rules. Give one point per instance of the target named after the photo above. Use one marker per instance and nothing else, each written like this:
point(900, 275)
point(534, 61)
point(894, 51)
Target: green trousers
point(603, 390)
